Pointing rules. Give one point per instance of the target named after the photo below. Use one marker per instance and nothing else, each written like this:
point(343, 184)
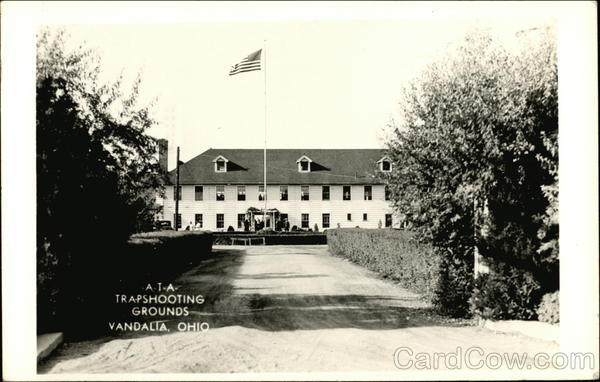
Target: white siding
point(336, 207)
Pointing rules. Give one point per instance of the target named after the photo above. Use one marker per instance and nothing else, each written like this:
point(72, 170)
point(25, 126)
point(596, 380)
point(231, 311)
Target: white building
point(327, 188)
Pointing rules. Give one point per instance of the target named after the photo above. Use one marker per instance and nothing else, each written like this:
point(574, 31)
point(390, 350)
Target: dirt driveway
point(287, 309)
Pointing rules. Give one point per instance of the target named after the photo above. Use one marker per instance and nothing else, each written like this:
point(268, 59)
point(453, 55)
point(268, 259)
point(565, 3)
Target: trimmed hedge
point(84, 292)
point(164, 253)
point(394, 254)
point(273, 237)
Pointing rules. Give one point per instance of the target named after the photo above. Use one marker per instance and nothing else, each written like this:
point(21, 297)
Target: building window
point(261, 193)
point(347, 193)
point(220, 165)
point(241, 192)
point(365, 217)
point(368, 193)
point(220, 221)
point(304, 193)
point(240, 220)
point(387, 192)
point(304, 166)
point(220, 192)
point(388, 220)
point(325, 192)
point(349, 217)
point(199, 192)
point(386, 166)
point(177, 220)
point(304, 220)
point(283, 192)
point(176, 194)
point(325, 220)
point(198, 218)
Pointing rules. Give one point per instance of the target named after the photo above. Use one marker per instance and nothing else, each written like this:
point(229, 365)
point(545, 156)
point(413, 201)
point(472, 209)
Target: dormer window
point(304, 164)
point(385, 164)
point(220, 163)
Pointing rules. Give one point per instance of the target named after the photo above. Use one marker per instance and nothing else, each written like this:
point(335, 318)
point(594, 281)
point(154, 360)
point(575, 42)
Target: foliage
point(455, 282)
point(548, 231)
point(97, 174)
point(549, 309)
point(506, 292)
point(475, 159)
point(391, 253)
point(160, 235)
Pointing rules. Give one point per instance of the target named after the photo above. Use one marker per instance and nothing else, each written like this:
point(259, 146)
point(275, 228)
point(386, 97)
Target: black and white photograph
point(299, 190)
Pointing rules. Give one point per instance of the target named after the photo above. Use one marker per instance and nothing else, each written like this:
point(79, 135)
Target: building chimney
point(163, 154)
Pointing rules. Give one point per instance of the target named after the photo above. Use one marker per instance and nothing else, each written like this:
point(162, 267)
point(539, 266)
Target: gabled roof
point(220, 157)
point(303, 157)
point(245, 166)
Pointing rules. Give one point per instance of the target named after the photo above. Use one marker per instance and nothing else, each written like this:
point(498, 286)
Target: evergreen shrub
point(506, 293)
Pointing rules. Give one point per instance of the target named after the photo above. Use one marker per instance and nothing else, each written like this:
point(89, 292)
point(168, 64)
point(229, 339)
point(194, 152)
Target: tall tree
point(97, 171)
point(476, 148)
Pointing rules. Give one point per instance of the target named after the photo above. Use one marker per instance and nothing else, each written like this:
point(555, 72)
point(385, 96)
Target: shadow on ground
point(260, 308)
point(254, 307)
point(211, 277)
point(275, 312)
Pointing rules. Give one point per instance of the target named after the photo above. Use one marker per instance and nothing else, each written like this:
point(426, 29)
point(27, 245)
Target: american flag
point(248, 64)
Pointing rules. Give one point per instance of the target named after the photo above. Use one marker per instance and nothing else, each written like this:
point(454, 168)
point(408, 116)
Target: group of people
point(193, 227)
point(280, 225)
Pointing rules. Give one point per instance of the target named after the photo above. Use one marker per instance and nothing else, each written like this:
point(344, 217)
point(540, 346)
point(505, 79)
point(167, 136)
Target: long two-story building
point(327, 188)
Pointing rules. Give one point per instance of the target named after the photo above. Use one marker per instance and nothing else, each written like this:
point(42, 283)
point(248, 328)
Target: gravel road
point(287, 309)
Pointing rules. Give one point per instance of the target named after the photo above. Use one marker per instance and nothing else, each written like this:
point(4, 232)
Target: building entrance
point(261, 219)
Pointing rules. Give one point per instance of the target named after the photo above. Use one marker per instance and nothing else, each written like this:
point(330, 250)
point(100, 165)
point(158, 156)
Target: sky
point(327, 83)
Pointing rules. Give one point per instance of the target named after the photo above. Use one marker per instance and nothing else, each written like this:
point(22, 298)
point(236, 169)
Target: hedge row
point(273, 238)
point(164, 253)
point(267, 232)
point(85, 292)
point(392, 253)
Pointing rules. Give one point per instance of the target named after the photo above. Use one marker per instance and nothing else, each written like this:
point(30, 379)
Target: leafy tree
point(97, 174)
point(475, 165)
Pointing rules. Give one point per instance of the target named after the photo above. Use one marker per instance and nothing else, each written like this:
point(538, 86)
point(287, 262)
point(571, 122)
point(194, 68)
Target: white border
point(578, 156)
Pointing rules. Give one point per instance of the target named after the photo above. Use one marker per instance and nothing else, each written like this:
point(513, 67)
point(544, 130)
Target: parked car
point(162, 225)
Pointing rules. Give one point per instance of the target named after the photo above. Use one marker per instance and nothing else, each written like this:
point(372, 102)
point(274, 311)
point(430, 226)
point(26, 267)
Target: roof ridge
point(331, 166)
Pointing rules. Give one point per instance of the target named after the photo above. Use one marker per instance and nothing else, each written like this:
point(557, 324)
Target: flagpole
point(177, 193)
point(265, 150)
